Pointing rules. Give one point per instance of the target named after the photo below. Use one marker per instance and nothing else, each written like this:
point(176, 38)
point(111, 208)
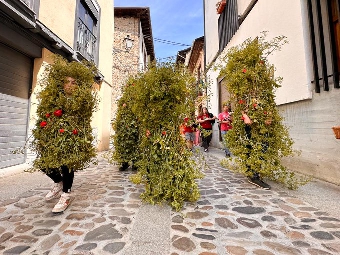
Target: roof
point(143, 13)
point(197, 46)
point(181, 55)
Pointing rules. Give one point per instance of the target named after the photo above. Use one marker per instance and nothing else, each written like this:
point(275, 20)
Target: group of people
point(203, 124)
point(205, 121)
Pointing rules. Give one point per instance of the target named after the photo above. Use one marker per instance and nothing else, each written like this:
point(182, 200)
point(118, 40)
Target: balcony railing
point(29, 4)
point(86, 42)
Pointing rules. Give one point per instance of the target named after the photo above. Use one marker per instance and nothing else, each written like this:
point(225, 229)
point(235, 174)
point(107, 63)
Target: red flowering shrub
point(58, 113)
point(43, 124)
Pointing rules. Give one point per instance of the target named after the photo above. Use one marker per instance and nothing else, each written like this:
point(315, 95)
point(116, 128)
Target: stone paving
point(231, 217)
point(234, 217)
point(98, 221)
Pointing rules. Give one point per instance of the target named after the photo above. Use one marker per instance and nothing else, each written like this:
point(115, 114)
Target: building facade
point(193, 59)
point(31, 32)
point(309, 65)
point(133, 48)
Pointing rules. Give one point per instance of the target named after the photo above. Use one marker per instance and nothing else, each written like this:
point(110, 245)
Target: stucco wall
point(59, 16)
point(210, 30)
point(102, 118)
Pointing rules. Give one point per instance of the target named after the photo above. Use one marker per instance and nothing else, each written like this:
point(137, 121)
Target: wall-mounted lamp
point(128, 43)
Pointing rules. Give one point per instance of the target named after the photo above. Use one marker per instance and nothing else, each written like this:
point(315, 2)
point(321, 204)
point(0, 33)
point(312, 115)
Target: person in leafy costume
point(125, 125)
point(259, 139)
point(62, 136)
point(160, 99)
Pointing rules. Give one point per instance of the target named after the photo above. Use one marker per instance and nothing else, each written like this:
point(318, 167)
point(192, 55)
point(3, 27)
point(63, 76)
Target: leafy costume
point(250, 80)
point(159, 99)
point(125, 125)
point(62, 135)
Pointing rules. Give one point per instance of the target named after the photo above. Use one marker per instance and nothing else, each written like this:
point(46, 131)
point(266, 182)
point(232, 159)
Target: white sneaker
point(54, 192)
point(64, 202)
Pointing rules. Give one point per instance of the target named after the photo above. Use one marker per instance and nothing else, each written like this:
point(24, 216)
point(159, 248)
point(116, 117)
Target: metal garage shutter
point(15, 79)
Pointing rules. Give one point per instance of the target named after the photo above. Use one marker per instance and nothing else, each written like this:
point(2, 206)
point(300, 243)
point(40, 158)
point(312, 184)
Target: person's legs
point(189, 140)
point(256, 180)
point(57, 178)
point(65, 199)
point(205, 142)
point(125, 165)
point(253, 176)
point(68, 176)
point(209, 137)
point(226, 150)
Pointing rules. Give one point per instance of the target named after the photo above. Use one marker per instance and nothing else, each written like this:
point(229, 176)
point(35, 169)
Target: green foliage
point(154, 105)
point(125, 125)
point(65, 139)
point(251, 83)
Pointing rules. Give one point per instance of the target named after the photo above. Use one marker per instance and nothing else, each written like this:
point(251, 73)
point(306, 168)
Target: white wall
point(309, 115)
point(211, 30)
point(281, 17)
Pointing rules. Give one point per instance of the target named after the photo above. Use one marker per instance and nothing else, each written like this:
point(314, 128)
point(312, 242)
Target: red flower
point(265, 112)
point(133, 84)
point(164, 133)
point(61, 130)
point(244, 70)
point(47, 115)
point(43, 124)
point(75, 132)
point(242, 118)
point(261, 62)
point(255, 105)
point(241, 101)
point(148, 133)
point(58, 113)
point(124, 104)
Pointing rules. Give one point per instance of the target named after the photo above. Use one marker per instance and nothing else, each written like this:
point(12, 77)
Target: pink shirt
point(223, 116)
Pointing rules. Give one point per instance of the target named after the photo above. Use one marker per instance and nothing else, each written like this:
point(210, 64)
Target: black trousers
point(206, 139)
point(66, 176)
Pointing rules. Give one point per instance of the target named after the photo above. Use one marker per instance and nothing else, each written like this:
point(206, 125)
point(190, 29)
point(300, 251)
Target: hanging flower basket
point(336, 131)
point(220, 6)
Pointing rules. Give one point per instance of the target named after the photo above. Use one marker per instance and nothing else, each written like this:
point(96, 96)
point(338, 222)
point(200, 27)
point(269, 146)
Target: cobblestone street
point(108, 217)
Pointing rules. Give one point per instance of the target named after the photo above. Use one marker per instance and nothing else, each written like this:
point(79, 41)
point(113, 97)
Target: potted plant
point(220, 6)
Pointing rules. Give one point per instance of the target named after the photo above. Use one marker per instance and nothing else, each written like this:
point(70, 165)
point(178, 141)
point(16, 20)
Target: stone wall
point(125, 63)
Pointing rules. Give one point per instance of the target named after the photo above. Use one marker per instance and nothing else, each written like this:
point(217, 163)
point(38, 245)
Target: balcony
point(86, 42)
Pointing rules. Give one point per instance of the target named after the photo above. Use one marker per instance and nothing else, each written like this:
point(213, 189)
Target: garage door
point(15, 80)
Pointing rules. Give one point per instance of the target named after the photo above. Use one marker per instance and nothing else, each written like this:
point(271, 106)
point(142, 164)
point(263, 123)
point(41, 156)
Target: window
point(335, 23)
point(87, 30)
point(325, 42)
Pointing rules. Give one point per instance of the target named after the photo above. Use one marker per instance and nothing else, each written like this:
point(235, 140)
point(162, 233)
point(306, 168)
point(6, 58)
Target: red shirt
point(187, 129)
point(223, 116)
point(206, 124)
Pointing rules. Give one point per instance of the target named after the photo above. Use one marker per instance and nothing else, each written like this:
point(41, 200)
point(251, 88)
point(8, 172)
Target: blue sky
point(179, 21)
